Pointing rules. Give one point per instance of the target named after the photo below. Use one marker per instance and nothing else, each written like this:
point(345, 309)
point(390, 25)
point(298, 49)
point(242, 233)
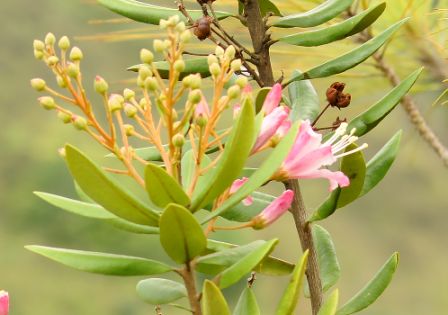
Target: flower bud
point(163, 24)
point(64, 43)
point(62, 153)
point(76, 54)
point(180, 27)
point(100, 85)
point(178, 140)
point(65, 117)
point(179, 65)
point(151, 84)
point(230, 52)
point(50, 39)
point(167, 43)
point(196, 81)
point(144, 72)
point(38, 54)
point(80, 123)
point(47, 102)
point(72, 70)
point(241, 82)
point(143, 103)
point(195, 96)
point(38, 84)
point(219, 51)
point(4, 302)
point(236, 65)
point(173, 20)
point(234, 92)
point(146, 56)
point(130, 110)
point(128, 94)
point(61, 82)
point(186, 82)
point(201, 121)
point(159, 46)
point(115, 102)
point(185, 36)
point(52, 60)
point(215, 69)
point(38, 45)
point(129, 130)
point(211, 59)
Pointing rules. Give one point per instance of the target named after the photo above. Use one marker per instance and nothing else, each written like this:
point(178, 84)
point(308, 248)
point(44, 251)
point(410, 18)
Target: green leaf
point(158, 291)
point(245, 265)
point(243, 213)
point(213, 301)
point(106, 191)
point(149, 13)
point(94, 211)
point(189, 169)
point(329, 268)
point(180, 234)
point(372, 291)
point(305, 102)
point(106, 264)
point(338, 31)
point(247, 303)
point(350, 59)
point(261, 176)
point(232, 161)
point(331, 304)
point(261, 96)
point(354, 167)
point(162, 188)
point(269, 266)
point(290, 297)
point(380, 164)
point(192, 66)
point(377, 112)
point(267, 7)
point(317, 16)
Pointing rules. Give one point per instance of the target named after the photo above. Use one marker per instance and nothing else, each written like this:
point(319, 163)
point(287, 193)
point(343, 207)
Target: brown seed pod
point(202, 28)
point(332, 96)
point(344, 100)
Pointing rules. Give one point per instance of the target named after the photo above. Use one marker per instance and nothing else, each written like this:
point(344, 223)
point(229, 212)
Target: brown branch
point(190, 284)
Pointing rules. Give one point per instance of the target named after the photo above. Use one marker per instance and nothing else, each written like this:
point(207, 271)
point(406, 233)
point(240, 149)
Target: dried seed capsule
point(202, 28)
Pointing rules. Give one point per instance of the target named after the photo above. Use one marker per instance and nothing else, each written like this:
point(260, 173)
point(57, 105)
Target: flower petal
point(335, 178)
point(270, 125)
point(272, 99)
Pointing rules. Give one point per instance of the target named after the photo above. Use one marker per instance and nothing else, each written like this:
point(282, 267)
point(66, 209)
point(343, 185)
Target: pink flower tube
point(270, 126)
point(272, 99)
point(4, 303)
point(274, 211)
point(237, 185)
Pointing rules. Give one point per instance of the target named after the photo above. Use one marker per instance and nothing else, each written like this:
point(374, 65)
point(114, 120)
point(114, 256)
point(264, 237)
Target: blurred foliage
point(413, 197)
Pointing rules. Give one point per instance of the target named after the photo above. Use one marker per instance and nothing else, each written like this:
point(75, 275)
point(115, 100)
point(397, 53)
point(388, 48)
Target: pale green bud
point(100, 85)
point(241, 82)
point(115, 102)
point(128, 94)
point(38, 45)
point(80, 123)
point(140, 82)
point(211, 59)
point(151, 84)
point(167, 43)
point(195, 96)
point(130, 110)
point(143, 104)
point(178, 140)
point(234, 92)
point(230, 52)
point(38, 54)
point(219, 51)
point(215, 69)
point(173, 20)
point(146, 56)
point(65, 117)
point(76, 54)
point(159, 46)
point(201, 121)
point(47, 102)
point(236, 65)
point(52, 60)
point(72, 70)
point(64, 43)
point(179, 65)
point(129, 130)
point(61, 82)
point(185, 36)
point(144, 72)
point(50, 39)
point(163, 24)
point(196, 81)
point(38, 84)
point(180, 27)
point(186, 82)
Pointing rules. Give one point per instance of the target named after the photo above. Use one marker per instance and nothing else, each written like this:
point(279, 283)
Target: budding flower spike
point(308, 155)
point(4, 303)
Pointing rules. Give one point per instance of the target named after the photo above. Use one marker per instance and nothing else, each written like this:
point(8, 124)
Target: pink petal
point(283, 129)
point(275, 210)
point(336, 178)
point(272, 99)
point(312, 161)
point(307, 140)
point(237, 184)
point(202, 108)
point(236, 110)
point(270, 125)
point(4, 303)
point(248, 201)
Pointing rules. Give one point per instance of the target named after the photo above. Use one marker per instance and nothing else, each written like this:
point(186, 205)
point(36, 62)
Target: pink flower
point(274, 211)
point(270, 126)
point(272, 99)
point(237, 185)
point(4, 303)
point(308, 155)
point(202, 108)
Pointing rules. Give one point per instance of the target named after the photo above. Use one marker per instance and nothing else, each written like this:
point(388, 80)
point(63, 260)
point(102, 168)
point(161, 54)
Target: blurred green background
point(408, 212)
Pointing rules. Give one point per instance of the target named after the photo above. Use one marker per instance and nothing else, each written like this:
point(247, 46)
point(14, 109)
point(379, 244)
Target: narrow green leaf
point(377, 112)
point(247, 303)
point(380, 164)
point(213, 301)
point(338, 31)
point(189, 169)
point(329, 267)
point(94, 211)
point(106, 264)
point(245, 265)
point(269, 266)
point(180, 234)
point(267, 7)
point(159, 291)
point(149, 13)
point(350, 59)
point(291, 295)
point(317, 16)
point(331, 304)
point(192, 66)
point(106, 191)
point(262, 175)
point(305, 102)
point(354, 167)
point(261, 96)
point(233, 158)
point(162, 188)
point(372, 291)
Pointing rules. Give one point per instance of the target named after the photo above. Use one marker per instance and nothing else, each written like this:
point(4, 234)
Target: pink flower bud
point(272, 99)
point(274, 211)
point(4, 303)
point(202, 108)
point(237, 184)
point(270, 126)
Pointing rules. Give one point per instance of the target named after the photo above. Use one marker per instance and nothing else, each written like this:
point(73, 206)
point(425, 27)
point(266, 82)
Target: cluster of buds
point(336, 97)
